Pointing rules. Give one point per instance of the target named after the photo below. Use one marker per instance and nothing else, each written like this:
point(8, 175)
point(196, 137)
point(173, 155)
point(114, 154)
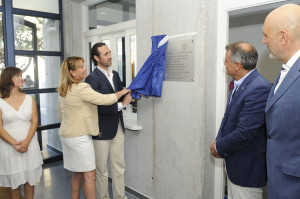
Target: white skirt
point(78, 153)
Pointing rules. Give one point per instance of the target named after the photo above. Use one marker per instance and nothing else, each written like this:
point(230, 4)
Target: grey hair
point(247, 57)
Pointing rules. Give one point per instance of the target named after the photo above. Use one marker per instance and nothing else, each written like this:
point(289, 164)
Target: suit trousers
point(115, 150)
point(238, 192)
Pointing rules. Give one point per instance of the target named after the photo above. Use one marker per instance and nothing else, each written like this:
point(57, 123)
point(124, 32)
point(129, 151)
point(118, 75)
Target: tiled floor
point(55, 183)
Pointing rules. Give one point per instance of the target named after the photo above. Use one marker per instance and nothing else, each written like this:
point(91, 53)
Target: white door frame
point(224, 7)
point(124, 29)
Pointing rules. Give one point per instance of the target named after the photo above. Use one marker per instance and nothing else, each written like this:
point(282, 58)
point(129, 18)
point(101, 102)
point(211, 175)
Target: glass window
point(2, 60)
point(92, 66)
point(38, 5)
point(108, 13)
point(120, 56)
point(107, 43)
point(36, 50)
point(49, 140)
point(47, 103)
point(133, 56)
point(42, 71)
point(34, 33)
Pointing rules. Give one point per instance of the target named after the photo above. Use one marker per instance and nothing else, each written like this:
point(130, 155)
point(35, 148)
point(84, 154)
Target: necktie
point(231, 85)
point(283, 73)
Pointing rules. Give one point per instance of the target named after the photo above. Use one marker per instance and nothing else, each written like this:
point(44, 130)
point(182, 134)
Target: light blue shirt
point(237, 84)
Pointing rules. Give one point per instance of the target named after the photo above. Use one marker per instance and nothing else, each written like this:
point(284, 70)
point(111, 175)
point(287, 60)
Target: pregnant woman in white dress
point(20, 156)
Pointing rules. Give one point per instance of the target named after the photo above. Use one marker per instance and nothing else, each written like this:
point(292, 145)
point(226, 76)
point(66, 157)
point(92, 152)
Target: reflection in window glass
point(34, 33)
point(2, 60)
point(133, 56)
point(92, 66)
point(108, 13)
point(42, 71)
point(38, 5)
point(47, 103)
point(120, 57)
point(50, 139)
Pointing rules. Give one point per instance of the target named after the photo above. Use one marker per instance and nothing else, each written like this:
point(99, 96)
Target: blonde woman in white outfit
point(79, 120)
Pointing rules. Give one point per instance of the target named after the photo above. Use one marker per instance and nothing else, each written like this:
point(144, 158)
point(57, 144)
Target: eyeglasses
point(225, 61)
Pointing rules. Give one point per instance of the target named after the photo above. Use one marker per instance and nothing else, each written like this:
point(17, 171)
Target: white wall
point(73, 28)
point(169, 158)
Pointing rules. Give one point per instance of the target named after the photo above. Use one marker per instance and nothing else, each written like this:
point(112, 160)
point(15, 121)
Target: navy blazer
point(241, 139)
point(108, 116)
point(283, 142)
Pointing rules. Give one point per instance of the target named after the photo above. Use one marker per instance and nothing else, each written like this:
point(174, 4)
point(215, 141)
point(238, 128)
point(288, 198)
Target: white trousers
point(115, 149)
point(238, 192)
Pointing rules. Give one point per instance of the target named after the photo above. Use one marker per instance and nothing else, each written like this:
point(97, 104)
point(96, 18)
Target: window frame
point(10, 53)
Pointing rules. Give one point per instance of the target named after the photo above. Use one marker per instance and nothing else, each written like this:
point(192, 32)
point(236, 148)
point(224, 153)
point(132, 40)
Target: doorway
point(123, 50)
point(121, 40)
point(241, 21)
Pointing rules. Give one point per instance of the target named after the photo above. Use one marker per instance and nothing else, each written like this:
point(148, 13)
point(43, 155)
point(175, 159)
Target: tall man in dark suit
point(111, 140)
point(281, 34)
point(241, 137)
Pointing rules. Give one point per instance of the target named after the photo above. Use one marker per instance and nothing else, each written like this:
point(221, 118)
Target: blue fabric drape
point(149, 79)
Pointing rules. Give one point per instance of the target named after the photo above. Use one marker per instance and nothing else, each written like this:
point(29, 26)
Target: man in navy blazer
point(110, 141)
point(281, 34)
point(241, 137)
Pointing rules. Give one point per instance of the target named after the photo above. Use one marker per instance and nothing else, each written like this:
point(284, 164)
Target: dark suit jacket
point(108, 116)
point(283, 142)
point(241, 137)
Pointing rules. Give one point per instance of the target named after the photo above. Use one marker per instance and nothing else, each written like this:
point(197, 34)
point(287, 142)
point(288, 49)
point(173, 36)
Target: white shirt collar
point(291, 61)
point(105, 71)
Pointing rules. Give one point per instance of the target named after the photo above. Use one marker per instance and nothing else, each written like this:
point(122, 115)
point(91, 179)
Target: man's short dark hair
point(94, 51)
point(247, 57)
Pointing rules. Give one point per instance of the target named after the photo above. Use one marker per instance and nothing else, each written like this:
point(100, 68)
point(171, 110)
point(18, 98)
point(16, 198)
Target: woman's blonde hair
point(66, 79)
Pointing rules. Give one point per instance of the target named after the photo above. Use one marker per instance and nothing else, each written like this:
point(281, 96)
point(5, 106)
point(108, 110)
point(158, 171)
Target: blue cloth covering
point(149, 79)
